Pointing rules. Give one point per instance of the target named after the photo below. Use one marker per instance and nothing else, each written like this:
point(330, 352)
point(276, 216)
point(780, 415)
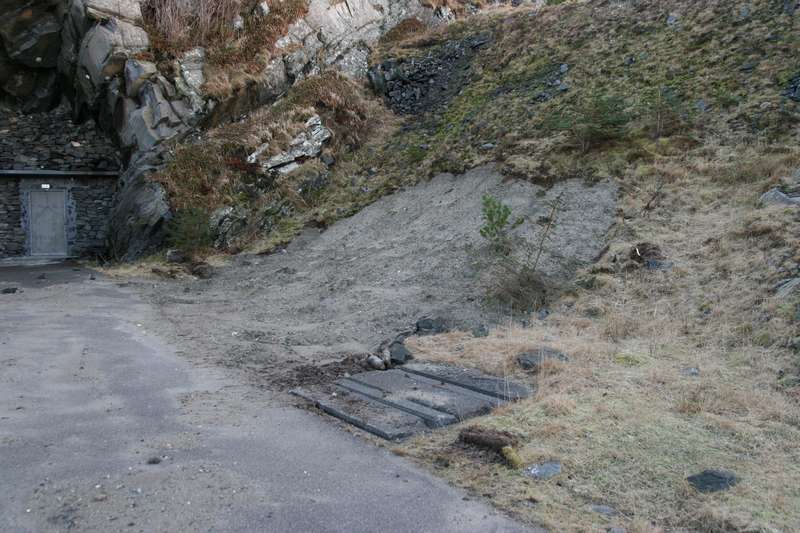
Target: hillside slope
point(682, 340)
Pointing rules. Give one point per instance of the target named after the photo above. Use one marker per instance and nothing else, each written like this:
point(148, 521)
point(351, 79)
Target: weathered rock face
point(30, 38)
point(333, 34)
point(416, 85)
point(141, 212)
point(308, 144)
point(147, 109)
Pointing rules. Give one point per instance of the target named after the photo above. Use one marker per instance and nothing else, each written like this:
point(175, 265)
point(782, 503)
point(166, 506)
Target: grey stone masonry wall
point(89, 204)
point(12, 236)
point(93, 199)
point(51, 141)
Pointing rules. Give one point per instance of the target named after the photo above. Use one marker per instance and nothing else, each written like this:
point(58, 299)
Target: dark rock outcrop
point(142, 211)
point(30, 39)
point(419, 84)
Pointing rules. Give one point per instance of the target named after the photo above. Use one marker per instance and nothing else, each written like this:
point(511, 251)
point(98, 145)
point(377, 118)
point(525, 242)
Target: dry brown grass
point(177, 25)
point(345, 106)
point(235, 58)
point(624, 420)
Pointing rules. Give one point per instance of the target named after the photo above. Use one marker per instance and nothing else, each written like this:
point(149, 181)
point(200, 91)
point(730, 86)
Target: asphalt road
point(104, 427)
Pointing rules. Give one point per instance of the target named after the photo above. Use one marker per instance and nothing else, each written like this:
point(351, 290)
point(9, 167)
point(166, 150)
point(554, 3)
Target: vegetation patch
point(238, 37)
point(214, 172)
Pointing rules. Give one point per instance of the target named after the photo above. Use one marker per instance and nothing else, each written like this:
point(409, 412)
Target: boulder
point(175, 256)
point(398, 353)
point(202, 270)
point(36, 90)
point(138, 131)
point(544, 471)
point(123, 121)
point(431, 326)
point(141, 213)
point(104, 52)
point(306, 145)
point(376, 362)
point(776, 196)
point(262, 9)
point(136, 73)
point(190, 78)
point(534, 359)
point(787, 287)
point(161, 111)
point(713, 480)
point(227, 225)
point(129, 10)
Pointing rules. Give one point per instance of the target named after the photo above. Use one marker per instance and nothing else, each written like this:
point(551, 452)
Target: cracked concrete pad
point(404, 401)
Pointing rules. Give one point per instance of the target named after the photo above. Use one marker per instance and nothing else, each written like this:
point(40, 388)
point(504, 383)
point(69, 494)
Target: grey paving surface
point(88, 396)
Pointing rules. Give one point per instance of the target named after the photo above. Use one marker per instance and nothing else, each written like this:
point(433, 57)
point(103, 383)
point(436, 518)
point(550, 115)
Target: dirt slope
point(372, 276)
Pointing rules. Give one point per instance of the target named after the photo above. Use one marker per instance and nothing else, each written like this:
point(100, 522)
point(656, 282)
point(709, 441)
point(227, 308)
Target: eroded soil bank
point(339, 293)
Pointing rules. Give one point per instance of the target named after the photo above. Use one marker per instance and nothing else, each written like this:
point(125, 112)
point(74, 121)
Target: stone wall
point(89, 203)
point(12, 235)
point(93, 200)
point(52, 141)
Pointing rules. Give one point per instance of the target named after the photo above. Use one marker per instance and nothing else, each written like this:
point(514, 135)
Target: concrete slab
point(457, 401)
point(471, 379)
point(362, 412)
point(397, 403)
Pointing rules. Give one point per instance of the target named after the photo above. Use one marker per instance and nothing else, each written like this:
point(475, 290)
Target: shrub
point(513, 277)
point(189, 230)
point(663, 112)
point(409, 27)
point(177, 25)
point(496, 217)
point(591, 121)
point(197, 177)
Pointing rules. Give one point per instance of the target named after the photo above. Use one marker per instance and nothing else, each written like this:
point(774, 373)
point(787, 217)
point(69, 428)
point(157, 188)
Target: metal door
point(47, 220)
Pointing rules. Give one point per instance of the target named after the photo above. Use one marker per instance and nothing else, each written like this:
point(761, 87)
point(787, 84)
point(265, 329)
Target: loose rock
point(713, 480)
point(605, 510)
point(431, 326)
point(544, 471)
point(175, 256)
point(376, 362)
point(202, 270)
point(533, 360)
point(777, 197)
point(786, 288)
point(399, 354)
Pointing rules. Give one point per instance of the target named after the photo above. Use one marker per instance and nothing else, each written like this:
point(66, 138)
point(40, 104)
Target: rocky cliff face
point(101, 59)
point(95, 54)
